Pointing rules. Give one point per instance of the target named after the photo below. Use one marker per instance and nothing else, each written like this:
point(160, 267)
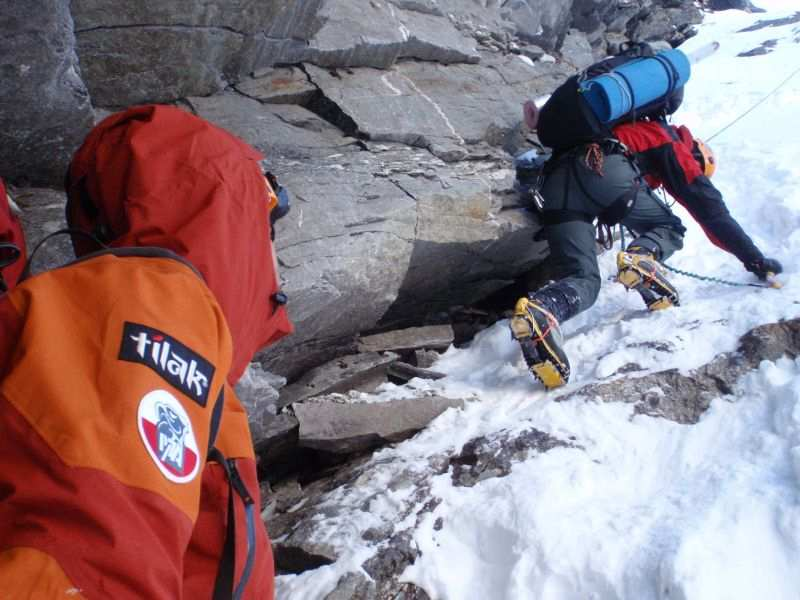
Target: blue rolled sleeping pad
point(635, 84)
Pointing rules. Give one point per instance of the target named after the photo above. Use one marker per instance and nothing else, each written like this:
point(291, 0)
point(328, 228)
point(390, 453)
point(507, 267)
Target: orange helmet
point(705, 158)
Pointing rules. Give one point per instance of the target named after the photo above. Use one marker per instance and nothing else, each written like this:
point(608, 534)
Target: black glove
point(762, 266)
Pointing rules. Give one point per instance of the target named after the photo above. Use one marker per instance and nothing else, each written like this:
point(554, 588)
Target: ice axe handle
point(702, 52)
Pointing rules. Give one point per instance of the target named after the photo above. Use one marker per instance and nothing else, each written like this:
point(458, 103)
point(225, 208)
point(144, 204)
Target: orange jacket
point(116, 374)
point(111, 368)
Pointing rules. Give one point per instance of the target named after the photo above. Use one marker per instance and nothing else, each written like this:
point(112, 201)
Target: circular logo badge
point(167, 434)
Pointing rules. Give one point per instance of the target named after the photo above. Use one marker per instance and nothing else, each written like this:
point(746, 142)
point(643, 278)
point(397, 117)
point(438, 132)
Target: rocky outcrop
point(391, 123)
point(46, 110)
point(332, 424)
point(745, 5)
point(684, 398)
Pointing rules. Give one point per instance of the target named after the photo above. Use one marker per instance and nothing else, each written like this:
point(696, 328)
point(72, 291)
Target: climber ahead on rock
point(612, 147)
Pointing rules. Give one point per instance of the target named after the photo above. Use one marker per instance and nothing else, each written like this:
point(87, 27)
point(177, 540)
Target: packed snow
point(645, 508)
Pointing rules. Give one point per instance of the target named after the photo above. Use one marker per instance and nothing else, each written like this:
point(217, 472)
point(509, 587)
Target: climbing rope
point(770, 283)
point(749, 110)
point(767, 284)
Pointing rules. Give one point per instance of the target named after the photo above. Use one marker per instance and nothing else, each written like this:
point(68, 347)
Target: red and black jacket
point(664, 155)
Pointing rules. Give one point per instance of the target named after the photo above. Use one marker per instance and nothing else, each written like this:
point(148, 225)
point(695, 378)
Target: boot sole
point(548, 374)
point(545, 370)
point(660, 304)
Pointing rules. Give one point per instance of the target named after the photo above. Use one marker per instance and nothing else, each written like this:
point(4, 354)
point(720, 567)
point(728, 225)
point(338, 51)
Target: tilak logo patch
point(175, 363)
point(167, 434)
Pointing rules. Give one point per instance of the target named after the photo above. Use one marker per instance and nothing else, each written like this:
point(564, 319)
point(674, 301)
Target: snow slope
point(646, 509)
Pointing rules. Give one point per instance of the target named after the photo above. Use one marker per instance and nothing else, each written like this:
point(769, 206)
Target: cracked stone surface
point(438, 104)
point(400, 178)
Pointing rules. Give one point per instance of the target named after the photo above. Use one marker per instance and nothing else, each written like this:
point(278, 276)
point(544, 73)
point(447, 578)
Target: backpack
point(635, 84)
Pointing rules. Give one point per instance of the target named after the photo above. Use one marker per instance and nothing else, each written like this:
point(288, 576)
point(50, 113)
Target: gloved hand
point(762, 266)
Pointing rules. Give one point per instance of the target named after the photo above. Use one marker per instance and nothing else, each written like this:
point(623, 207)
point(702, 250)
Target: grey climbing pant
point(575, 195)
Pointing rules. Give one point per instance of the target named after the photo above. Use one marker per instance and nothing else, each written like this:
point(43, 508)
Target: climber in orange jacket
point(126, 464)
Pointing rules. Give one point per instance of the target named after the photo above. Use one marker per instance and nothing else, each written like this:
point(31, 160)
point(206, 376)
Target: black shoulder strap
point(224, 584)
point(216, 420)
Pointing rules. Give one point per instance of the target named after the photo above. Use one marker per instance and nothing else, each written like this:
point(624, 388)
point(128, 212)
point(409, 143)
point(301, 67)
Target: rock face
point(46, 110)
point(392, 123)
point(349, 428)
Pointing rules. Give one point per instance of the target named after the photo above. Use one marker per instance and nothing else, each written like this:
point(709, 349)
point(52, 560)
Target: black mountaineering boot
point(639, 270)
point(535, 325)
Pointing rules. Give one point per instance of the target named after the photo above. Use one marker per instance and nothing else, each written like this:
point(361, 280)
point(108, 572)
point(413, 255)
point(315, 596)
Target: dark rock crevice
point(159, 26)
point(328, 110)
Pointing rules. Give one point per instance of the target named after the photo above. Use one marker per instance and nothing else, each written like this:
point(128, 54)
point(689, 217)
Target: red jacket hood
point(159, 176)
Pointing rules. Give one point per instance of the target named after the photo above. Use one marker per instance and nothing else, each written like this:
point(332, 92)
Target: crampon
point(538, 334)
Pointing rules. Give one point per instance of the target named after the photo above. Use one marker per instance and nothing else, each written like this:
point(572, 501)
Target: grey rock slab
point(345, 428)
point(671, 24)
point(361, 372)
point(277, 440)
point(422, 104)
point(43, 214)
point(744, 5)
point(343, 251)
point(133, 65)
point(244, 16)
point(285, 85)
point(257, 390)
point(426, 7)
point(352, 34)
point(467, 245)
point(540, 21)
point(298, 559)
point(46, 107)
point(152, 51)
point(412, 338)
point(576, 50)
point(276, 130)
point(426, 358)
point(407, 372)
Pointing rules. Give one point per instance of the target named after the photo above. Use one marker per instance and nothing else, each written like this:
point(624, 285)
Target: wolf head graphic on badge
point(167, 435)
